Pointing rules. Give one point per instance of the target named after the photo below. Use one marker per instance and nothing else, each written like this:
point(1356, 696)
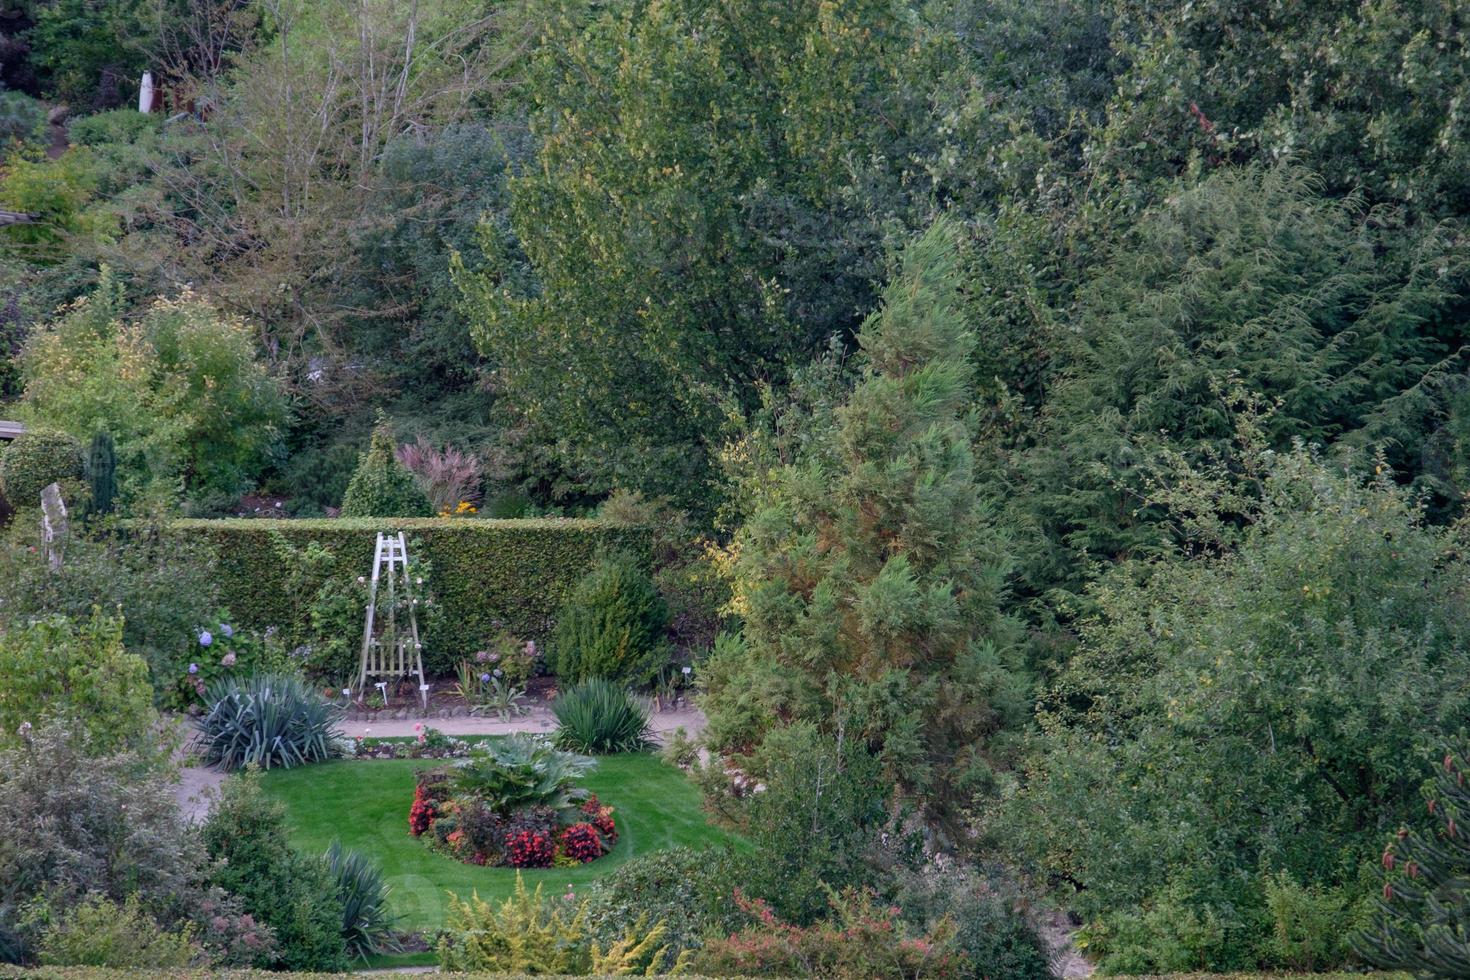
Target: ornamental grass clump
point(269, 720)
point(601, 717)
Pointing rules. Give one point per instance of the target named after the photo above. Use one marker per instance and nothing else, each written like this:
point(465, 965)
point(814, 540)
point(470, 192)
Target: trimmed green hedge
point(515, 572)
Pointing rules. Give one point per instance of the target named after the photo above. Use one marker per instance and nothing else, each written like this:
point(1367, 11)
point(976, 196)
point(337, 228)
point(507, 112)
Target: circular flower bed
point(513, 804)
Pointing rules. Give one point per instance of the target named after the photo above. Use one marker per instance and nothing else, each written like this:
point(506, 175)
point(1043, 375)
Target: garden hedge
point(512, 572)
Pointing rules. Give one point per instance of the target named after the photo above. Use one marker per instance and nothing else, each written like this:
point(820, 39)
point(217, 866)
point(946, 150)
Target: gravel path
point(197, 783)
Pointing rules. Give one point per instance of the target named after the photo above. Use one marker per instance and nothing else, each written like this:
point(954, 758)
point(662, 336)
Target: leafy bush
point(180, 391)
point(1325, 586)
point(815, 826)
point(489, 576)
point(381, 486)
point(164, 590)
point(296, 895)
point(367, 925)
point(521, 772)
point(600, 716)
point(21, 118)
point(996, 939)
point(79, 672)
point(525, 934)
point(266, 720)
point(689, 892)
point(79, 823)
point(611, 627)
point(37, 459)
point(100, 932)
point(862, 939)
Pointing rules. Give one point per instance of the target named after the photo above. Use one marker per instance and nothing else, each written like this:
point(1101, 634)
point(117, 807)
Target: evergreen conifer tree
point(870, 575)
point(381, 486)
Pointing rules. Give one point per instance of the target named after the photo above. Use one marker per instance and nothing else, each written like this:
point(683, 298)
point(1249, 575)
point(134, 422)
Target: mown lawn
point(365, 804)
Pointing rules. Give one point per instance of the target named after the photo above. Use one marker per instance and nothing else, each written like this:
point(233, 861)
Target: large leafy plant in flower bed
point(514, 803)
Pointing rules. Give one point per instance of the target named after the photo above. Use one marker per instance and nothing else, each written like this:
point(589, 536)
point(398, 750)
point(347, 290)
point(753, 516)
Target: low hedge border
point(514, 572)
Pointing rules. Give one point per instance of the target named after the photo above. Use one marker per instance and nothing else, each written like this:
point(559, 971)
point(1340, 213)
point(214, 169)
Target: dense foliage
point(36, 460)
point(265, 720)
point(1053, 410)
point(381, 486)
point(870, 575)
point(1271, 720)
point(611, 626)
point(294, 894)
point(76, 672)
point(600, 717)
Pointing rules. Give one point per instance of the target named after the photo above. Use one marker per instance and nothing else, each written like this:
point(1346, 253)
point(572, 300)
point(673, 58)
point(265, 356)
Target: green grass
point(365, 804)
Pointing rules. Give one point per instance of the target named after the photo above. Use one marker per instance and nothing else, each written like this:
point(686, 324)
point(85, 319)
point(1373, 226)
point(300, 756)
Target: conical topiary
point(381, 486)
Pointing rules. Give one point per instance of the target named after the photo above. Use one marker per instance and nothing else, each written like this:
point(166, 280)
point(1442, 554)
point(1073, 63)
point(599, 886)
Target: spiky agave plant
point(600, 717)
point(269, 720)
point(367, 925)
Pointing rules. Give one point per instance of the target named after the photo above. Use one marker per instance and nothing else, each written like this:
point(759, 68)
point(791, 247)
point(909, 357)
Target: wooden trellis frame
point(387, 649)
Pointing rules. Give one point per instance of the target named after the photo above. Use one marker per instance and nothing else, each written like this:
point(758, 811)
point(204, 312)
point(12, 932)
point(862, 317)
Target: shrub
point(580, 843)
point(997, 940)
point(367, 925)
point(861, 940)
point(266, 720)
point(380, 486)
point(688, 891)
point(611, 627)
point(600, 717)
point(99, 932)
point(521, 772)
point(1310, 926)
point(58, 667)
point(79, 823)
point(37, 459)
point(21, 118)
point(295, 895)
point(525, 934)
point(179, 389)
point(489, 576)
point(163, 589)
point(448, 477)
point(815, 826)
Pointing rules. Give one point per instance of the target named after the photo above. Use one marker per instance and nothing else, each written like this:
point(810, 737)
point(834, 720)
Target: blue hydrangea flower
point(227, 630)
point(193, 668)
point(205, 638)
point(484, 678)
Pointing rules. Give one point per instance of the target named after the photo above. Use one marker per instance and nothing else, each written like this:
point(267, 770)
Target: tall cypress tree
point(870, 576)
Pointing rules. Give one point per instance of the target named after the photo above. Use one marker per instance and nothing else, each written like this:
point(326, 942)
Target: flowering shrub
point(220, 651)
point(601, 818)
point(581, 842)
point(529, 849)
point(421, 814)
point(513, 805)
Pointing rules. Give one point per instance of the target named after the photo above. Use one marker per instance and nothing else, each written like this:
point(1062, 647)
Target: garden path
point(197, 783)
